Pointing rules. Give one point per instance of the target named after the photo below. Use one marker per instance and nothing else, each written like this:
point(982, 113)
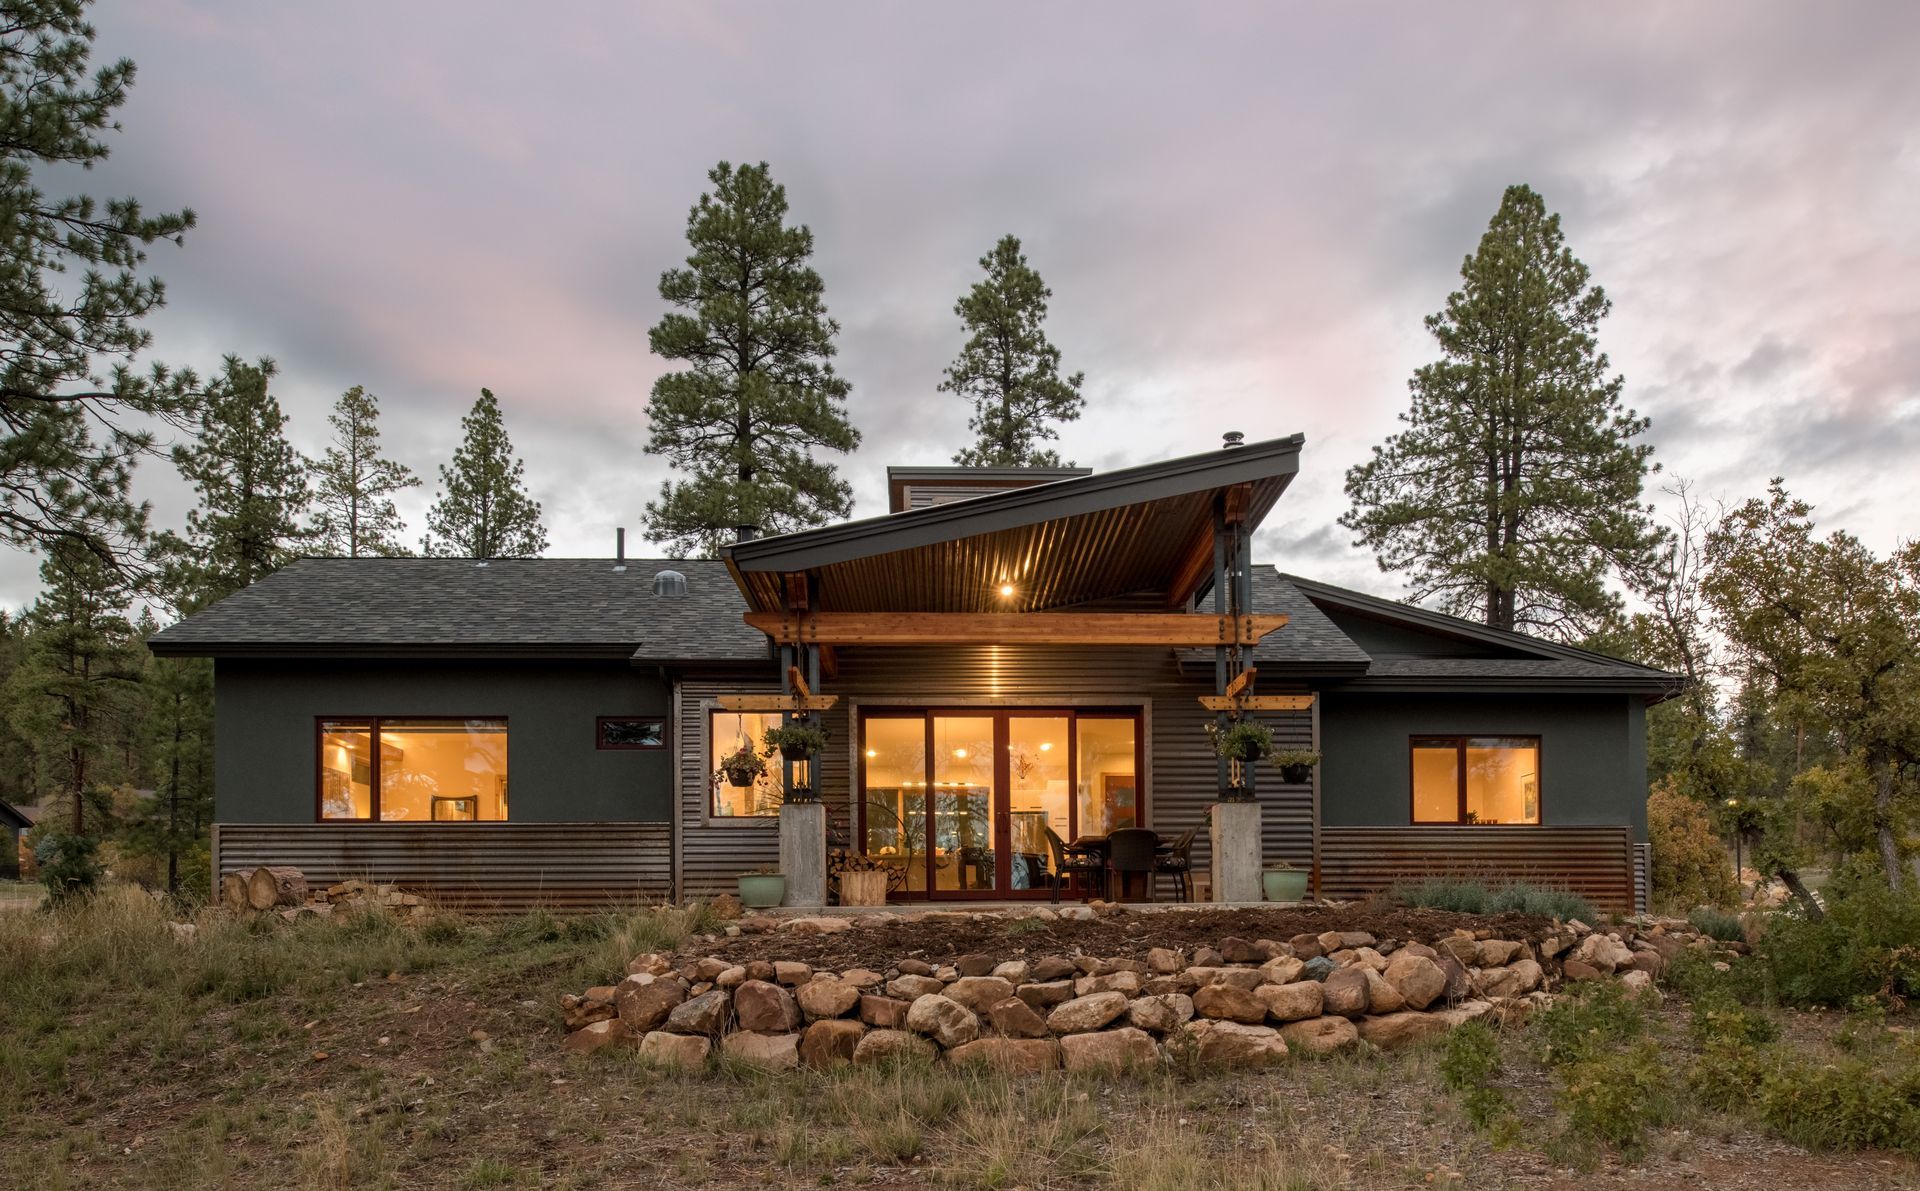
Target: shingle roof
point(532, 606)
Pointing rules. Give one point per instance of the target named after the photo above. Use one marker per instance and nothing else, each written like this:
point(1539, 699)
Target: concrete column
point(1235, 835)
point(803, 854)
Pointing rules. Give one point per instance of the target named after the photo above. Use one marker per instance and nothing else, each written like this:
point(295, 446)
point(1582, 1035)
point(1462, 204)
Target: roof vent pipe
point(745, 533)
point(1232, 439)
point(620, 548)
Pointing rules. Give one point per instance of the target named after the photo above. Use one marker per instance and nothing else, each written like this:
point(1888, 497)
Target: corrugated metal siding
point(1596, 862)
point(1643, 878)
point(1179, 784)
point(507, 866)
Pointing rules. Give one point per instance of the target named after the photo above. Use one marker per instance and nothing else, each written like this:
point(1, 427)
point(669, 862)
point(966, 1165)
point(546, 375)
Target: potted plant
point(795, 740)
point(762, 887)
point(1296, 765)
point(742, 767)
point(1283, 883)
point(1242, 740)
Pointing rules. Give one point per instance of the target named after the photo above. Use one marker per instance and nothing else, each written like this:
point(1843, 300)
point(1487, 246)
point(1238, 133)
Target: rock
point(1346, 992)
point(914, 967)
point(599, 994)
point(707, 969)
point(1015, 1018)
point(1650, 961)
point(705, 1014)
point(1639, 985)
point(1370, 958)
point(644, 1000)
point(826, 998)
point(861, 978)
point(1236, 950)
point(1108, 1050)
point(1528, 975)
point(1012, 1055)
point(1329, 942)
point(790, 973)
point(733, 977)
point(577, 1013)
point(825, 924)
point(879, 1046)
point(1417, 979)
point(1320, 1035)
point(1247, 978)
point(830, 1041)
point(1402, 1029)
point(1120, 982)
point(778, 1052)
point(1207, 957)
point(725, 907)
point(1227, 1003)
point(1554, 946)
point(1292, 1002)
point(1459, 984)
point(943, 1019)
point(1574, 969)
point(1282, 970)
point(1087, 1013)
point(1045, 996)
point(1014, 971)
point(1306, 946)
point(1179, 982)
point(1319, 967)
point(1268, 949)
point(1466, 951)
point(1159, 1014)
point(1232, 1044)
point(596, 1036)
point(1053, 967)
point(1603, 953)
point(909, 987)
point(766, 1008)
point(978, 992)
point(1421, 950)
point(650, 963)
point(1382, 996)
point(1164, 961)
point(889, 1013)
point(1463, 1013)
point(1498, 953)
point(684, 1051)
point(976, 964)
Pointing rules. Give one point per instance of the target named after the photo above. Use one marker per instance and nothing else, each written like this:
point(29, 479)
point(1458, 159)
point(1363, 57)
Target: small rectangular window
point(1476, 779)
point(618, 733)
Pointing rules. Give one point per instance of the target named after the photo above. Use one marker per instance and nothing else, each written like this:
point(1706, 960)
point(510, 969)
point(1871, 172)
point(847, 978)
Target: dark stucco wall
point(1593, 752)
point(264, 767)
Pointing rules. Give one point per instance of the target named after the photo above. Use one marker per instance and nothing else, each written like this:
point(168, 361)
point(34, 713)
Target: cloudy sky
point(1244, 213)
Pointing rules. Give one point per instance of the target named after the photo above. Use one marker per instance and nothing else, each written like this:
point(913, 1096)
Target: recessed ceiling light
point(959, 752)
point(872, 753)
point(1006, 589)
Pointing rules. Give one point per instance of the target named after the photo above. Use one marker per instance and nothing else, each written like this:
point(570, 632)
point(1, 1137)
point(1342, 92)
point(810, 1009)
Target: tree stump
point(276, 885)
point(233, 891)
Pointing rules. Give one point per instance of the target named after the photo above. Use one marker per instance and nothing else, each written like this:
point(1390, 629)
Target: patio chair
point(1131, 850)
point(1177, 862)
point(1065, 864)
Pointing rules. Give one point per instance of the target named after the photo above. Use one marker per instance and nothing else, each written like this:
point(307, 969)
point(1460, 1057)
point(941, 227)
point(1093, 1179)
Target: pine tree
point(741, 423)
point(482, 511)
point(353, 484)
point(252, 485)
point(1514, 490)
point(177, 754)
point(71, 299)
point(78, 693)
point(1008, 369)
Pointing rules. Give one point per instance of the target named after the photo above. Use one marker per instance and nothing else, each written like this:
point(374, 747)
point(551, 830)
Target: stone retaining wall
point(1241, 1003)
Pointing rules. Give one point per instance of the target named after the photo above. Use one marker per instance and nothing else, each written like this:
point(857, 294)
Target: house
point(12, 823)
point(1006, 659)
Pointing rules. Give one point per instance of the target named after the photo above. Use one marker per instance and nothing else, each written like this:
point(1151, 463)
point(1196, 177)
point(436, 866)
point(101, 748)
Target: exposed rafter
point(1177, 629)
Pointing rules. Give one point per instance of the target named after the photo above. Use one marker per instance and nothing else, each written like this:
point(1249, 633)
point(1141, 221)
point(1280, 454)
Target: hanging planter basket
point(1242, 740)
point(1296, 766)
point(795, 741)
point(742, 767)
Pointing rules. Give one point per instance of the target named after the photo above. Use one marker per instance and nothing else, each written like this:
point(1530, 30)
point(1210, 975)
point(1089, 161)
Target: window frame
point(1459, 743)
point(600, 733)
point(372, 724)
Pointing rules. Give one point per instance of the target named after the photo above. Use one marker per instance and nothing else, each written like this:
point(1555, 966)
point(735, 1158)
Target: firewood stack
point(283, 889)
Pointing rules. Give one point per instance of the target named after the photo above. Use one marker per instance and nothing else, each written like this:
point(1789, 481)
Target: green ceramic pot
point(1281, 885)
point(761, 890)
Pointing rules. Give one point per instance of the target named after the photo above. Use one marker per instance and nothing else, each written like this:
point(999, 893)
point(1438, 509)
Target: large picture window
point(727, 733)
point(418, 770)
point(1476, 779)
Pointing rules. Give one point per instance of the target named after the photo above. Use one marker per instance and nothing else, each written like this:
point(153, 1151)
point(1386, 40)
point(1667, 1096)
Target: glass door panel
point(896, 796)
point(1040, 796)
point(964, 858)
point(1109, 791)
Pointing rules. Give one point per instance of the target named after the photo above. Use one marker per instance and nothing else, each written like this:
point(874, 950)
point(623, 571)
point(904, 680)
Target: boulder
point(1232, 1044)
point(731, 978)
point(1292, 1002)
point(824, 924)
point(1015, 1018)
point(978, 992)
point(1346, 992)
point(1498, 953)
point(914, 967)
point(1014, 971)
point(1083, 1014)
point(909, 987)
point(1051, 968)
point(1108, 967)
point(684, 1051)
point(1159, 1014)
point(1108, 1050)
point(1319, 968)
point(1227, 1003)
point(1574, 969)
point(1329, 942)
point(1320, 1035)
point(1236, 950)
point(1419, 949)
point(1207, 957)
point(1382, 997)
point(644, 1000)
point(789, 972)
point(764, 1007)
point(1120, 982)
point(759, 969)
point(1014, 1055)
point(1604, 953)
point(1046, 995)
point(776, 1052)
point(1401, 1029)
point(943, 1019)
point(1417, 979)
point(977, 964)
point(1247, 978)
point(1459, 984)
point(1464, 950)
point(1306, 946)
point(879, 1046)
point(1283, 970)
point(888, 1013)
point(1179, 982)
point(1164, 961)
point(705, 1014)
point(596, 1036)
point(861, 978)
point(1370, 958)
point(707, 969)
point(1465, 1012)
point(830, 1041)
point(826, 998)
point(650, 963)
point(1638, 985)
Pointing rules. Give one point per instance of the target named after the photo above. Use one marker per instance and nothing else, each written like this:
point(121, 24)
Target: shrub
point(1690, 867)
point(1718, 1015)
point(69, 866)
point(1851, 1104)
point(1474, 897)
point(1864, 947)
point(1583, 1025)
point(1469, 1064)
point(1616, 1098)
point(1718, 924)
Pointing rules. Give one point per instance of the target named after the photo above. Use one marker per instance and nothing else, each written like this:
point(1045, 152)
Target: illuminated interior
point(1109, 796)
point(422, 770)
point(963, 854)
point(1477, 779)
point(727, 731)
point(896, 796)
point(1039, 796)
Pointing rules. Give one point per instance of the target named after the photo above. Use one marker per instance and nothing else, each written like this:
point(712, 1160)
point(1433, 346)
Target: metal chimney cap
point(1232, 439)
point(669, 584)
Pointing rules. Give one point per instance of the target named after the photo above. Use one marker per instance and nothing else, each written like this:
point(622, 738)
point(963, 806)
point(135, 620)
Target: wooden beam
point(1193, 571)
point(1240, 683)
point(775, 702)
point(795, 585)
point(1239, 503)
point(1014, 628)
point(1257, 702)
point(798, 682)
